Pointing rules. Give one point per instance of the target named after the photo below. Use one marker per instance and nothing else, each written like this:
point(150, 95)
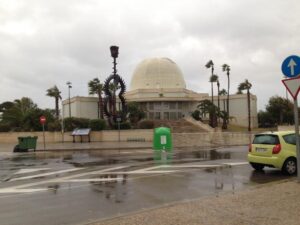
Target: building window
point(172, 105)
point(179, 115)
point(157, 115)
point(151, 106)
point(173, 115)
point(166, 116)
point(179, 105)
point(166, 105)
point(151, 115)
point(157, 105)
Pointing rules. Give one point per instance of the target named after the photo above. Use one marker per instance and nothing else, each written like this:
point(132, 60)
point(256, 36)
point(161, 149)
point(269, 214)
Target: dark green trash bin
point(26, 143)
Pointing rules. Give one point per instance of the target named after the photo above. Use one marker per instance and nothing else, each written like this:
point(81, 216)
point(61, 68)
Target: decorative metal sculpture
point(113, 83)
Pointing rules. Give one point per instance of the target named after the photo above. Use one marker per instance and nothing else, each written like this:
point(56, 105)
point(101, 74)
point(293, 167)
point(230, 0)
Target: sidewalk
point(269, 204)
point(69, 146)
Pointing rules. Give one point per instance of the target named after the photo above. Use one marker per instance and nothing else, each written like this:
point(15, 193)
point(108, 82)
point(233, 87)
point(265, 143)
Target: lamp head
point(114, 50)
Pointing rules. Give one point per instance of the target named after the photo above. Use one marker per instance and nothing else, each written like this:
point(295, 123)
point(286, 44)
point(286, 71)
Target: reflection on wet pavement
point(109, 184)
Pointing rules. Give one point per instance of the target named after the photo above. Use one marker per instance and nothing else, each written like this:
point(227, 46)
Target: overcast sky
point(49, 42)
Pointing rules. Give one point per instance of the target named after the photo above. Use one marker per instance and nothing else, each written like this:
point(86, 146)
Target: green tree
point(246, 85)
point(280, 110)
point(95, 87)
point(224, 116)
point(223, 92)
point(5, 106)
point(135, 112)
point(207, 107)
point(15, 115)
point(55, 93)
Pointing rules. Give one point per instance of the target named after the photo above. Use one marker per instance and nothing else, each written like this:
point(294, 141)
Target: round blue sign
point(291, 66)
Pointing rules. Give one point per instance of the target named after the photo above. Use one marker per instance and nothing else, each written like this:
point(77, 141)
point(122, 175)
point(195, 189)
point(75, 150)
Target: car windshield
point(267, 139)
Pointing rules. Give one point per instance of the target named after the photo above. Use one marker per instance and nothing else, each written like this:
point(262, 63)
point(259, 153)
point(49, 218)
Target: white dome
point(157, 73)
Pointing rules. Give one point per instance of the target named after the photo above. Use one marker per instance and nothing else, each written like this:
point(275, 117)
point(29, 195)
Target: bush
point(73, 122)
point(97, 124)
point(146, 124)
point(123, 126)
point(4, 127)
point(196, 115)
point(54, 126)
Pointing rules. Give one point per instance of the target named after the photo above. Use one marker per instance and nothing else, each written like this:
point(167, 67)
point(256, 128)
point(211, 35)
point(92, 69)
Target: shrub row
point(95, 124)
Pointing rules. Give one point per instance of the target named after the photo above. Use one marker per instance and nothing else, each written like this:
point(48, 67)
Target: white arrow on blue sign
point(291, 66)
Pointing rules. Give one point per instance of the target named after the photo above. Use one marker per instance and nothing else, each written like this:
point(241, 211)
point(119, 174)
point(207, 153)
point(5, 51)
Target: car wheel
point(290, 166)
point(257, 166)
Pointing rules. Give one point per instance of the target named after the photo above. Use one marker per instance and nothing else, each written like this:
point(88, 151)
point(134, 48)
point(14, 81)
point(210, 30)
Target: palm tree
point(213, 79)
point(223, 92)
point(246, 85)
point(17, 113)
point(218, 85)
point(95, 87)
point(206, 106)
point(223, 114)
point(226, 68)
point(55, 93)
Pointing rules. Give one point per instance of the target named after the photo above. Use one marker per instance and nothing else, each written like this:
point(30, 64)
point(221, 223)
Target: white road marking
point(23, 187)
point(22, 171)
point(236, 163)
point(194, 166)
point(95, 180)
point(45, 174)
point(17, 190)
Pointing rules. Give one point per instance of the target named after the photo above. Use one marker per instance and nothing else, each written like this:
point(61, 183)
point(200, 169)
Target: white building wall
point(238, 109)
point(81, 107)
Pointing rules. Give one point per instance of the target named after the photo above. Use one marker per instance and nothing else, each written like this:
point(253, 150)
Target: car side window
point(290, 139)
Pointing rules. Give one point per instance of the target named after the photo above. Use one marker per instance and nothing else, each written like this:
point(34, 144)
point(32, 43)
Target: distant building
point(158, 85)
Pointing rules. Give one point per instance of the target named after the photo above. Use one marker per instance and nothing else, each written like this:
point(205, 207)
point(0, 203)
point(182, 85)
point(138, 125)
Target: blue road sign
point(291, 66)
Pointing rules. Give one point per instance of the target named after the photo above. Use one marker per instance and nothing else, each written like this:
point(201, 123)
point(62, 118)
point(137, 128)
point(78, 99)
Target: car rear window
point(266, 139)
point(290, 139)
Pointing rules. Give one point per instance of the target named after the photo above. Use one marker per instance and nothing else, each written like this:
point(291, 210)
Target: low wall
point(179, 139)
point(107, 135)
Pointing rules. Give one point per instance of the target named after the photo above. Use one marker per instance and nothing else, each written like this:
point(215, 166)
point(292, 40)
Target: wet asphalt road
point(81, 187)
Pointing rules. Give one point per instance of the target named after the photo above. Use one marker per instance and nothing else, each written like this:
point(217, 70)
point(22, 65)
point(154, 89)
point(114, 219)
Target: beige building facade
point(159, 87)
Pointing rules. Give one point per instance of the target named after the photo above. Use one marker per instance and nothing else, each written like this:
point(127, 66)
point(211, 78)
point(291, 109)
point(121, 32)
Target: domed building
point(158, 85)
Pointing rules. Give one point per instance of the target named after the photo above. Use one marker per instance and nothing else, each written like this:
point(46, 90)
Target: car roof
point(280, 133)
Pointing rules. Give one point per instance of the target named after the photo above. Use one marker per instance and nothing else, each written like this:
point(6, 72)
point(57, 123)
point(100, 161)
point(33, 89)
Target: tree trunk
point(212, 93)
point(57, 107)
point(228, 96)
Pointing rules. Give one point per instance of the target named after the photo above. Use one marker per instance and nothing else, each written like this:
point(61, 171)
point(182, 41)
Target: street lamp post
point(114, 51)
point(69, 87)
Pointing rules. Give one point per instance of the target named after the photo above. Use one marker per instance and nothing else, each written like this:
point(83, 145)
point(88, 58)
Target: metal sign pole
point(44, 137)
point(297, 136)
point(62, 123)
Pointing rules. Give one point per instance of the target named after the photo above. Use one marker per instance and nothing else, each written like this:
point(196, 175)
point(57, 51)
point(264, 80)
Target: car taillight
point(276, 149)
point(250, 147)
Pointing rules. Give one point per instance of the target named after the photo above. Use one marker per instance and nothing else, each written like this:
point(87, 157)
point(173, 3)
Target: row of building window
point(164, 105)
point(164, 115)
